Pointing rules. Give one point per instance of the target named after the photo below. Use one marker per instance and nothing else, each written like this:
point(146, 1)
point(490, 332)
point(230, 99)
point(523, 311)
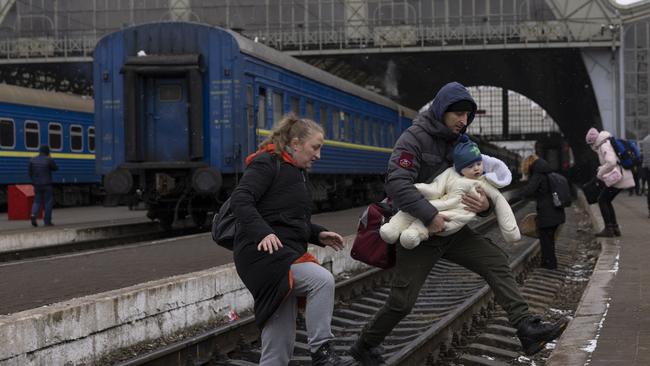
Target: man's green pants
point(466, 248)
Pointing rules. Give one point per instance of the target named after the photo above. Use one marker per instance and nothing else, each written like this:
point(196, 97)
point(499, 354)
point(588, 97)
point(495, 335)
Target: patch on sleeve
point(406, 160)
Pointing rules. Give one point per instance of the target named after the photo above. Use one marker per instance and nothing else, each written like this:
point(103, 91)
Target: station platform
point(74, 224)
point(75, 216)
point(612, 323)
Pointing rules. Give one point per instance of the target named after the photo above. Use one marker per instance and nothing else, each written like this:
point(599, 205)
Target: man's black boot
point(34, 223)
point(367, 356)
point(534, 334)
point(325, 356)
point(607, 232)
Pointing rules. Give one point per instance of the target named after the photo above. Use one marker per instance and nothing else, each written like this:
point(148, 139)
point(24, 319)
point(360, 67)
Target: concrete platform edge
point(81, 331)
point(17, 241)
point(575, 346)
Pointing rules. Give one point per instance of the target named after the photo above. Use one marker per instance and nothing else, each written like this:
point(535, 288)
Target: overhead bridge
point(68, 33)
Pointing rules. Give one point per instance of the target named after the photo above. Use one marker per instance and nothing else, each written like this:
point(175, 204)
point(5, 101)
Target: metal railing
point(338, 38)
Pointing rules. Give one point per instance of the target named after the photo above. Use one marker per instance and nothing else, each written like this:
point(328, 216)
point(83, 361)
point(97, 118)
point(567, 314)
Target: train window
point(32, 135)
point(7, 134)
point(91, 139)
point(391, 132)
point(309, 110)
point(278, 101)
point(55, 136)
point(261, 109)
point(357, 129)
point(336, 122)
point(169, 93)
point(249, 106)
point(366, 131)
point(375, 133)
point(76, 138)
point(323, 118)
point(345, 132)
point(295, 105)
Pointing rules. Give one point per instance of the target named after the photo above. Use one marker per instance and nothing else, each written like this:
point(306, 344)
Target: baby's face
point(473, 171)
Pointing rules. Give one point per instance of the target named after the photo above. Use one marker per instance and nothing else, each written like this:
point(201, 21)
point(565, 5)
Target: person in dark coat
point(549, 217)
point(272, 204)
point(40, 172)
point(422, 152)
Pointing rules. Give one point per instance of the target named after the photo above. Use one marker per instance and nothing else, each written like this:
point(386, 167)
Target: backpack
point(560, 190)
point(627, 152)
point(223, 222)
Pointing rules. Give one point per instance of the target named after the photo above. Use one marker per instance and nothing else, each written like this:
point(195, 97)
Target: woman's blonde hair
point(527, 163)
point(290, 127)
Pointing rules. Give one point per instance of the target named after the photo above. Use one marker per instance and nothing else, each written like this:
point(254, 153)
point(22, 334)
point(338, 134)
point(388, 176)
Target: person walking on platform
point(420, 154)
point(645, 149)
point(40, 172)
point(549, 217)
point(613, 175)
point(272, 205)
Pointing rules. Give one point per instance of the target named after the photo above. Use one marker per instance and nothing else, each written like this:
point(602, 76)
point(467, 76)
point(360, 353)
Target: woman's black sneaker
point(325, 356)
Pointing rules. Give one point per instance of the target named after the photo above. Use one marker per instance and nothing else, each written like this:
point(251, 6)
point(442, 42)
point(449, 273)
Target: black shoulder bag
point(223, 222)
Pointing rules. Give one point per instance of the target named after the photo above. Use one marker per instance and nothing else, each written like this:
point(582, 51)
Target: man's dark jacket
point(40, 170)
point(266, 202)
point(538, 188)
point(424, 151)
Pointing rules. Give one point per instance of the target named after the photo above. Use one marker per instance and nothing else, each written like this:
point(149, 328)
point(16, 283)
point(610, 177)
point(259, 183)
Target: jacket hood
point(602, 137)
point(434, 128)
point(448, 95)
point(540, 166)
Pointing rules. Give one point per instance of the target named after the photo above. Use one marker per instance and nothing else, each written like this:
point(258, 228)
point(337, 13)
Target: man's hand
point(331, 239)
point(474, 204)
point(437, 225)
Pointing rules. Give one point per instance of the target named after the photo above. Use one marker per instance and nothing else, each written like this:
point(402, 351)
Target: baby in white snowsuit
point(445, 194)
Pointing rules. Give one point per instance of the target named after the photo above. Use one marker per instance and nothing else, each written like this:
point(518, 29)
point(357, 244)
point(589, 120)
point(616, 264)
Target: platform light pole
point(621, 77)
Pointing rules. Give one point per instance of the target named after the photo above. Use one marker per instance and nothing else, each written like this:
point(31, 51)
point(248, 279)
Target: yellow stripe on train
point(346, 145)
point(31, 154)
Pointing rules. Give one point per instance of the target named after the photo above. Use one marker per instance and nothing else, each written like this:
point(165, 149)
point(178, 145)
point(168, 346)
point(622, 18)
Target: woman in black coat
point(272, 205)
point(549, 217)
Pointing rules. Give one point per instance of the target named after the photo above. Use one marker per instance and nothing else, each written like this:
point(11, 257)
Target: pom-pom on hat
point(461, 106)
point(592, 135)
point(466, 153)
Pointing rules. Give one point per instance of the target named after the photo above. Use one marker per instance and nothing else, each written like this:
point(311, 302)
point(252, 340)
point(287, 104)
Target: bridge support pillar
point(602, 66)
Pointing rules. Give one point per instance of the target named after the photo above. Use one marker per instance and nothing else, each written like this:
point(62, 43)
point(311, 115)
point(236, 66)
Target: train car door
point(166, 119)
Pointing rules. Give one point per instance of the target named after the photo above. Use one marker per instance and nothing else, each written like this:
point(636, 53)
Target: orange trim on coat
point(307, 257)
point(270, 148)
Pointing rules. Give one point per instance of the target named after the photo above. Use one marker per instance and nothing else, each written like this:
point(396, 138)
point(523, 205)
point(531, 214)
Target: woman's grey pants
point(279, 333)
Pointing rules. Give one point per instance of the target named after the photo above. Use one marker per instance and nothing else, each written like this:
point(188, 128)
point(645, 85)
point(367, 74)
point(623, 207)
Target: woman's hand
point(270, 243)
point(331, 239)
point(474, 204)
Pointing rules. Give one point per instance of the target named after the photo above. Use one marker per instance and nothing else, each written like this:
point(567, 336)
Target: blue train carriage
point(30, 118)
point(180, 105)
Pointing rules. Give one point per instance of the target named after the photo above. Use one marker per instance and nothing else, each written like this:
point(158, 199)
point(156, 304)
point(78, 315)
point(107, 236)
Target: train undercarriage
point(172, 195)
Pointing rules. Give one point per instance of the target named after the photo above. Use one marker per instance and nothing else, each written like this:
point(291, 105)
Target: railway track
point(452, 300)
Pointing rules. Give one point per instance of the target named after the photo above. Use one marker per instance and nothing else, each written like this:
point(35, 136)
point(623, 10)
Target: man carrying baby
point(471, 170)
point(421, 153)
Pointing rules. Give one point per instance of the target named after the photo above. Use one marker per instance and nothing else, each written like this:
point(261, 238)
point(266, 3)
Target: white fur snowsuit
point(445, 194)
